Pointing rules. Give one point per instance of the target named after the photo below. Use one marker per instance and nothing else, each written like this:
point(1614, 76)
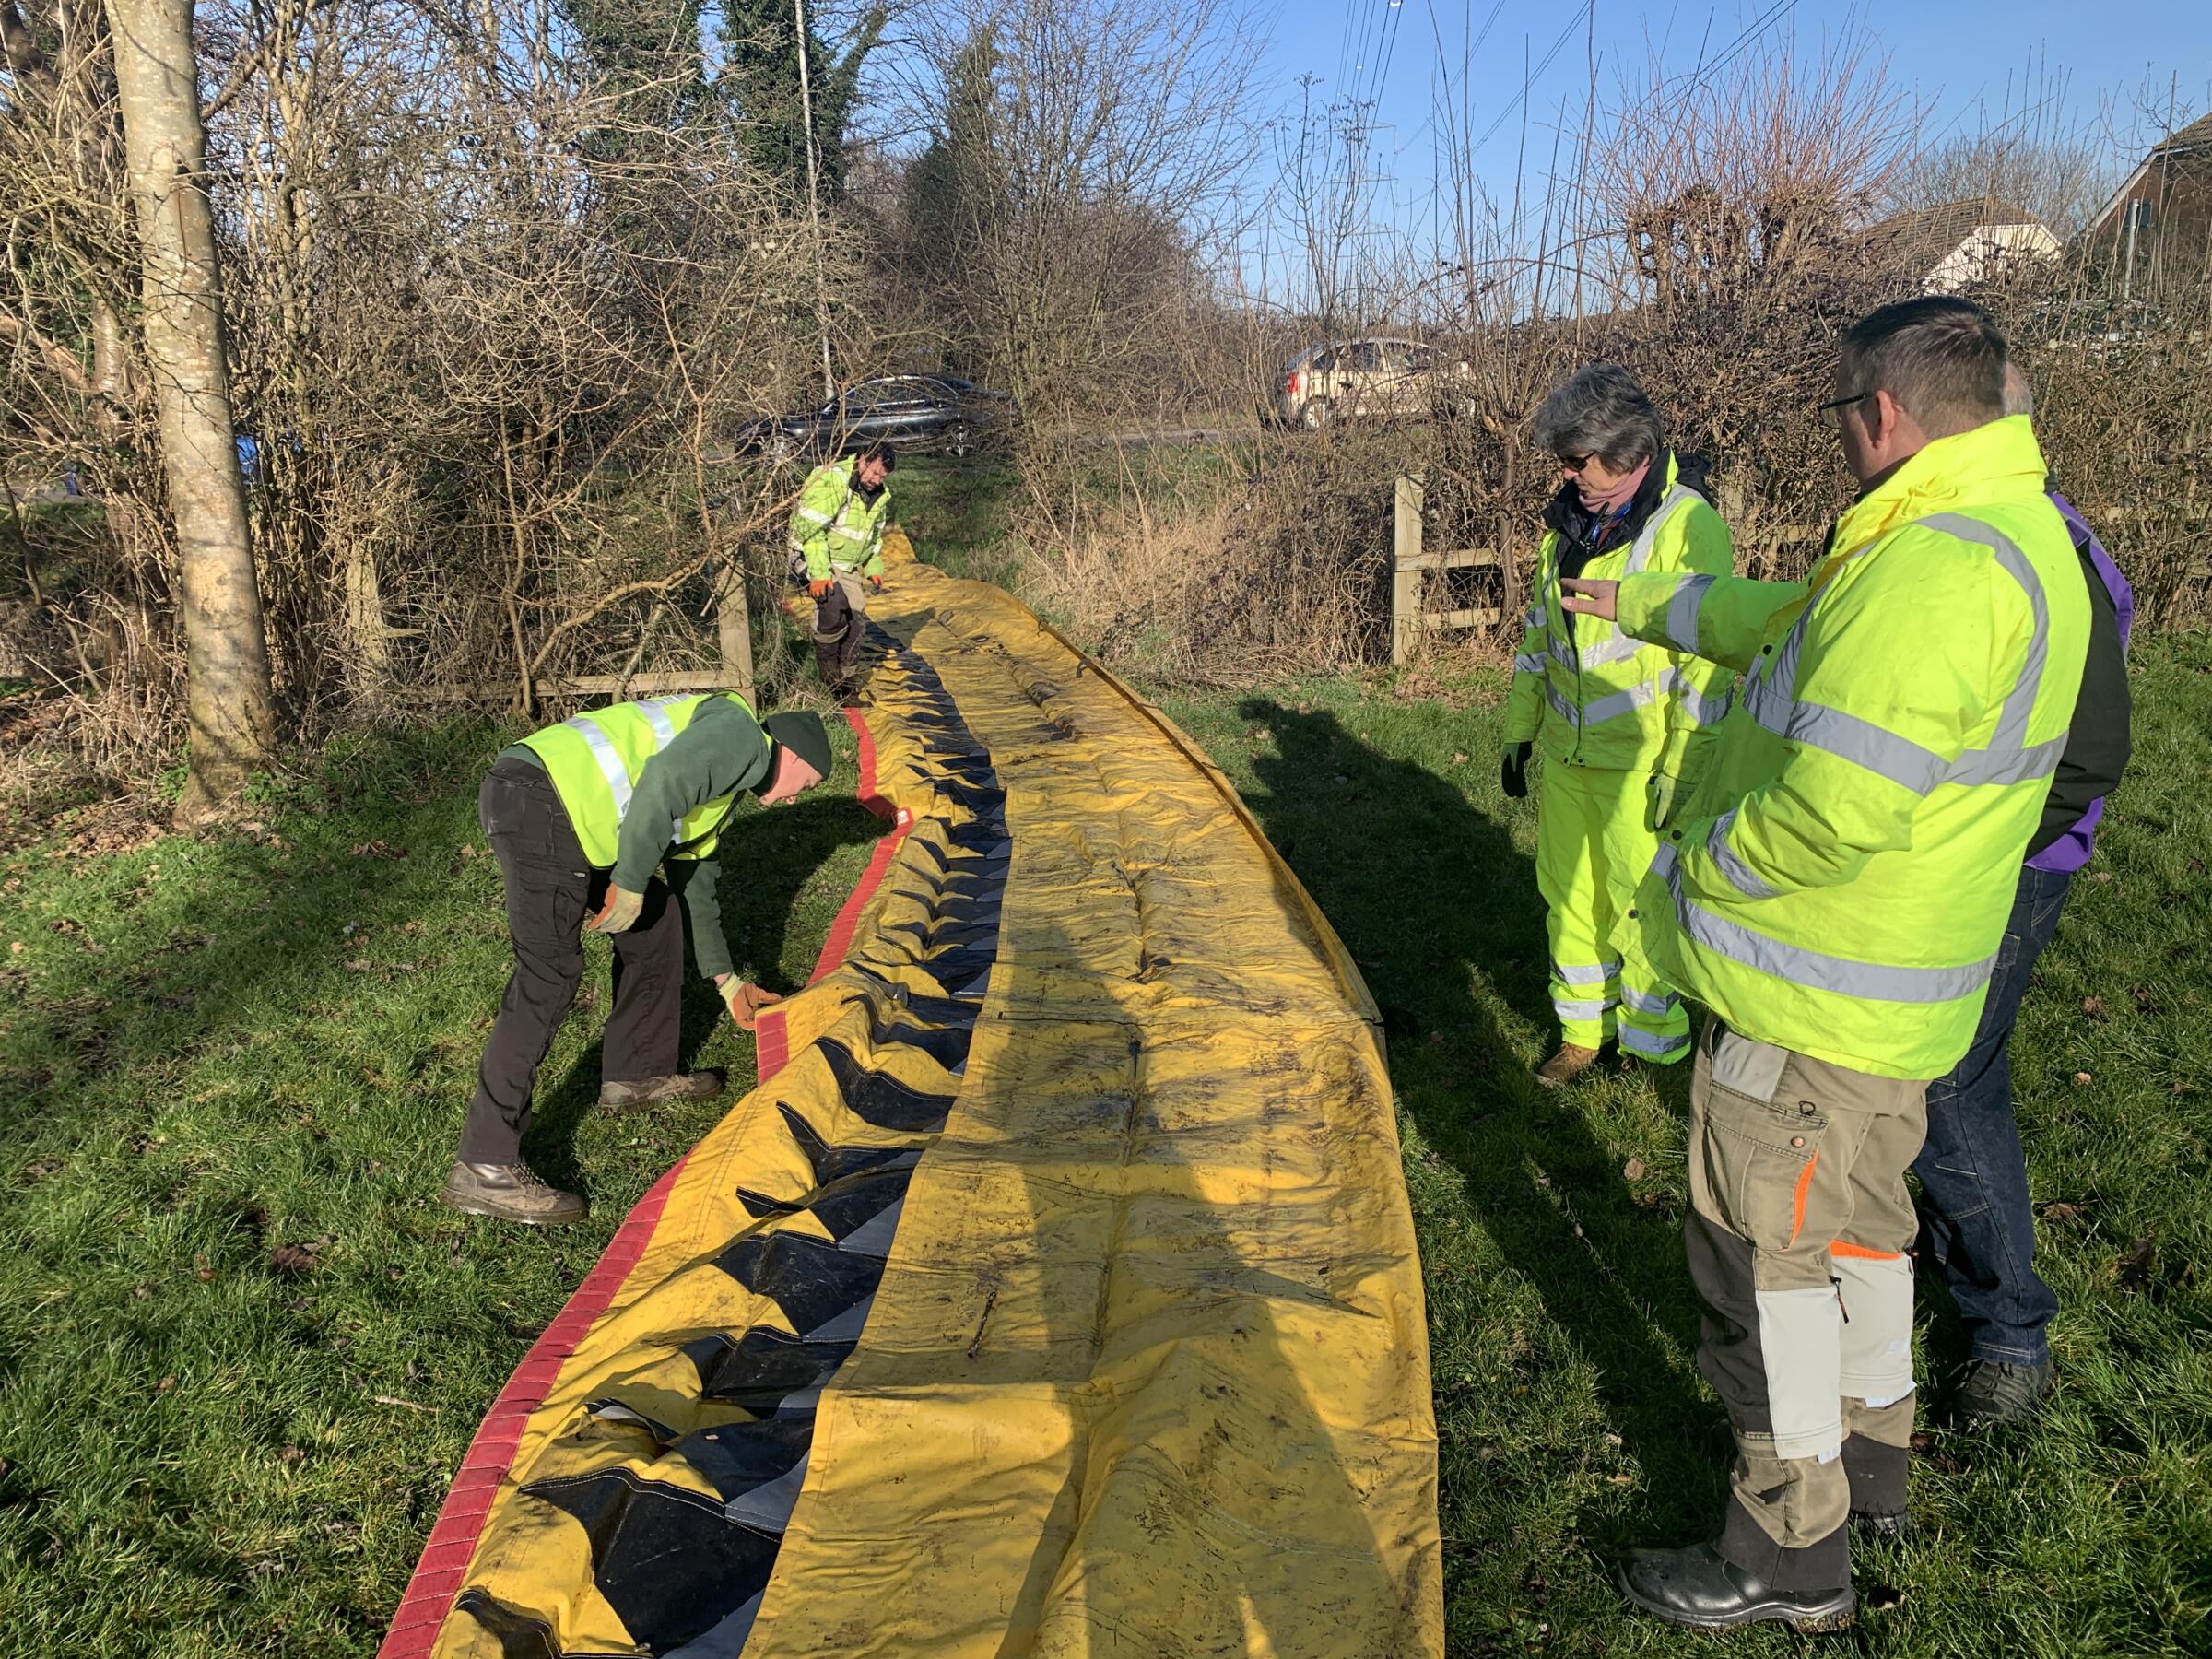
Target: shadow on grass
point(767, 857)
point(1433, 900)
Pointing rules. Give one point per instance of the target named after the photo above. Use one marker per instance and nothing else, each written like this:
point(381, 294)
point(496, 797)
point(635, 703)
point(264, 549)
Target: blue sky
point(1970, 62)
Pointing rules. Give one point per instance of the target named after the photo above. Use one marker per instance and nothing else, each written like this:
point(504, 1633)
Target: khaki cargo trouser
point(1799, 1221)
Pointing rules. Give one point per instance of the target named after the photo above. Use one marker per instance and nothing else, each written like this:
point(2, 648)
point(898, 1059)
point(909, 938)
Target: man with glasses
point(1836, 898)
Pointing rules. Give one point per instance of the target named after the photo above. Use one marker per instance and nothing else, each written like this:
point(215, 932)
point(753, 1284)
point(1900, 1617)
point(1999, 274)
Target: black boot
point(1992, 1391)
point(1696, 1587)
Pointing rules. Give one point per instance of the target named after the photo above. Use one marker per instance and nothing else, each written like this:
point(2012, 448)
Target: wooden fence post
point(1405, 574)
point(734, 626)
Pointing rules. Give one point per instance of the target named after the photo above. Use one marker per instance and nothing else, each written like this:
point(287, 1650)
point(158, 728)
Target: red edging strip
point(453, 1541)
point(773, 1043)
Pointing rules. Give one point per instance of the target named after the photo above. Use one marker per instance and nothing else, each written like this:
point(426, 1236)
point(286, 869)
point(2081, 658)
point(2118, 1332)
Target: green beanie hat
point(802, 732)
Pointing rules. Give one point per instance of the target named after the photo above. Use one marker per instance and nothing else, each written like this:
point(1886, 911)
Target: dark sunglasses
point(1841, 402)
point(1574, 464)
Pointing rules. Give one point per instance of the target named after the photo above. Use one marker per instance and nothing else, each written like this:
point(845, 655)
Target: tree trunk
point(231, 724)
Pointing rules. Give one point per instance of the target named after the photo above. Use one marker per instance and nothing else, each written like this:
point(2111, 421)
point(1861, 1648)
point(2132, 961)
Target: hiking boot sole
point(484, 1206)
point(1840, 1615)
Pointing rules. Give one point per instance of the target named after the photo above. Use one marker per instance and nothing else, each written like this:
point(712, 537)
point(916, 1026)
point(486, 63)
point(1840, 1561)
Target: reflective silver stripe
point(1560, 652)
point(1536, 615)
point(2012, 723)
point(2010, 758)
point(1737, 871)
point(1641, 554)
point(1988, 766)
point(1663, 866)
point(656, 709)
point(1615, 704)
point(1643, 1001)
point(1560, 705)
point(1590, 973)
point(1703, 710)
point(1682, 611)
point(811, 516)
point(1652, 1046)
point(1526, 663)
point(610, 763)
point(1619, 648)
point(1816, 970)
point(1580, 1010)
point(1848, 737)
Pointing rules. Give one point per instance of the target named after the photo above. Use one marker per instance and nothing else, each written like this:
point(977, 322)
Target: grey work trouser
point(1799, 1221)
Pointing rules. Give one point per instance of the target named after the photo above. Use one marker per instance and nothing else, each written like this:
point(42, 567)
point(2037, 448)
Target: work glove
point(1663, 792)
point(820, 590)
point(619, 914)
point(876, 583)
point(744, 1000)
point(1513, 770)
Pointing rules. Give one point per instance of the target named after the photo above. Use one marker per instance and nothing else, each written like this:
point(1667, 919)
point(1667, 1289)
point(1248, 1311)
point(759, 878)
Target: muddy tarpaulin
point(1054, 1294)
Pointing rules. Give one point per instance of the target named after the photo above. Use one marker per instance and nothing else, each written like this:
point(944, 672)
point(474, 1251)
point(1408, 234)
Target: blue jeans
point(1976, 1225)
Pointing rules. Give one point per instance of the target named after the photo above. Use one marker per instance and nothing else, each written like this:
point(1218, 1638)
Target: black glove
point(1513, 770)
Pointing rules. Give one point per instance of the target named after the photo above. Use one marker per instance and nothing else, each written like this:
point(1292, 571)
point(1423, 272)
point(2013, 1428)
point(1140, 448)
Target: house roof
point(2196, 139)
point(1924, 238)
point(2197, 135)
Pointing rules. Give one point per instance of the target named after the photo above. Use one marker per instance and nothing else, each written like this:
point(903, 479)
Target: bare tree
point(232, 728)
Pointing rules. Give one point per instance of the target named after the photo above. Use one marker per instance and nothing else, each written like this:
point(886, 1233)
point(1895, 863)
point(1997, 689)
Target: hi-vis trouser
point(1799, 1220)
point(1591, 850)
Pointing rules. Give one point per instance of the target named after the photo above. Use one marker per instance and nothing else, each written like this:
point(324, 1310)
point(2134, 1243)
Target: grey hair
point(1942, 359)
point(2019, 396)
point(1600, 410)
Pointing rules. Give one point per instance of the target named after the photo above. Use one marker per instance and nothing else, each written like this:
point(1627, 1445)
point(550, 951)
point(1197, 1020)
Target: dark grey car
point(938, 413)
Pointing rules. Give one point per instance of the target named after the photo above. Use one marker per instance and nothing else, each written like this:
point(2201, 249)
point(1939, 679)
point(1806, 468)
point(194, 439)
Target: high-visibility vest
point(835, 527)
point(595, 759)
point(1843, 882)
point(1598, 697)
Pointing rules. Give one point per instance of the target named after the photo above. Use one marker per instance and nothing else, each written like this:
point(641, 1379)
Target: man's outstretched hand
point(1589, 598)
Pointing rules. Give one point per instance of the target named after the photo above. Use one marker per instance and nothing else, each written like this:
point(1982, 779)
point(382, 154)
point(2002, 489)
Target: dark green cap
point(802, 732)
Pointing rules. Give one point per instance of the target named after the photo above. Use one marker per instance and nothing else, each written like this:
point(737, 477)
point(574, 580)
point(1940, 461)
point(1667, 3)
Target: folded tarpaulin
point(1055, 1293)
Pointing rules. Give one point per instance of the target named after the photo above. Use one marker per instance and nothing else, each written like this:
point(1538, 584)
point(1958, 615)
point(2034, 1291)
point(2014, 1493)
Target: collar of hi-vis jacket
point(1999, 461)
point(1565, 510)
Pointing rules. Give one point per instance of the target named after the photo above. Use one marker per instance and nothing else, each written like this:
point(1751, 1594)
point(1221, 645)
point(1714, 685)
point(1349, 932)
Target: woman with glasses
point(1621, 725)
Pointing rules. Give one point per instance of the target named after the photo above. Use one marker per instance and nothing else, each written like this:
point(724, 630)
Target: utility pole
point(814, 204)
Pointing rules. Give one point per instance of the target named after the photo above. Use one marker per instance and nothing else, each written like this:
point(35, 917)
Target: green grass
point(242, 1350)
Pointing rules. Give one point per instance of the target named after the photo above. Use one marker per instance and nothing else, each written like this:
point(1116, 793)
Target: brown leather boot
point(511, 1193)
point(641, 1092)
point(1564, 1068)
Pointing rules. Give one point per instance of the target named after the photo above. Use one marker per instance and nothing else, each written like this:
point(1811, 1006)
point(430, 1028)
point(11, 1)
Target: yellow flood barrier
point(1056, 1293)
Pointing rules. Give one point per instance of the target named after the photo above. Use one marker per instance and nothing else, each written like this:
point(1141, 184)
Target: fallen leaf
point(290, 1454)
point(378, 849)
point(2136, 1265)
point(292, 1258)
point(1632, 1170)
point(2083, 1080)
point(2062, 1213)
point(2093, 1007)
point(1459, 758)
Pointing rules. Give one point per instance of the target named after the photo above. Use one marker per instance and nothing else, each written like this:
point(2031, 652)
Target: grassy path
point(241, 1351)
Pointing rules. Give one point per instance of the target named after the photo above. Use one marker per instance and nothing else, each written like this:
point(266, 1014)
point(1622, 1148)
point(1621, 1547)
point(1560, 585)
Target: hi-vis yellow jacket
point(597, 759)
point(835, 527)
point(1596, 697)
point(1840, 883)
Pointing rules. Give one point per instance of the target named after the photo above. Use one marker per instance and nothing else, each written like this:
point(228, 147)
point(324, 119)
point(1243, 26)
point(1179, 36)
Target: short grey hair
point(2019, 396)
point(1941, 358)
point(1600, 410)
